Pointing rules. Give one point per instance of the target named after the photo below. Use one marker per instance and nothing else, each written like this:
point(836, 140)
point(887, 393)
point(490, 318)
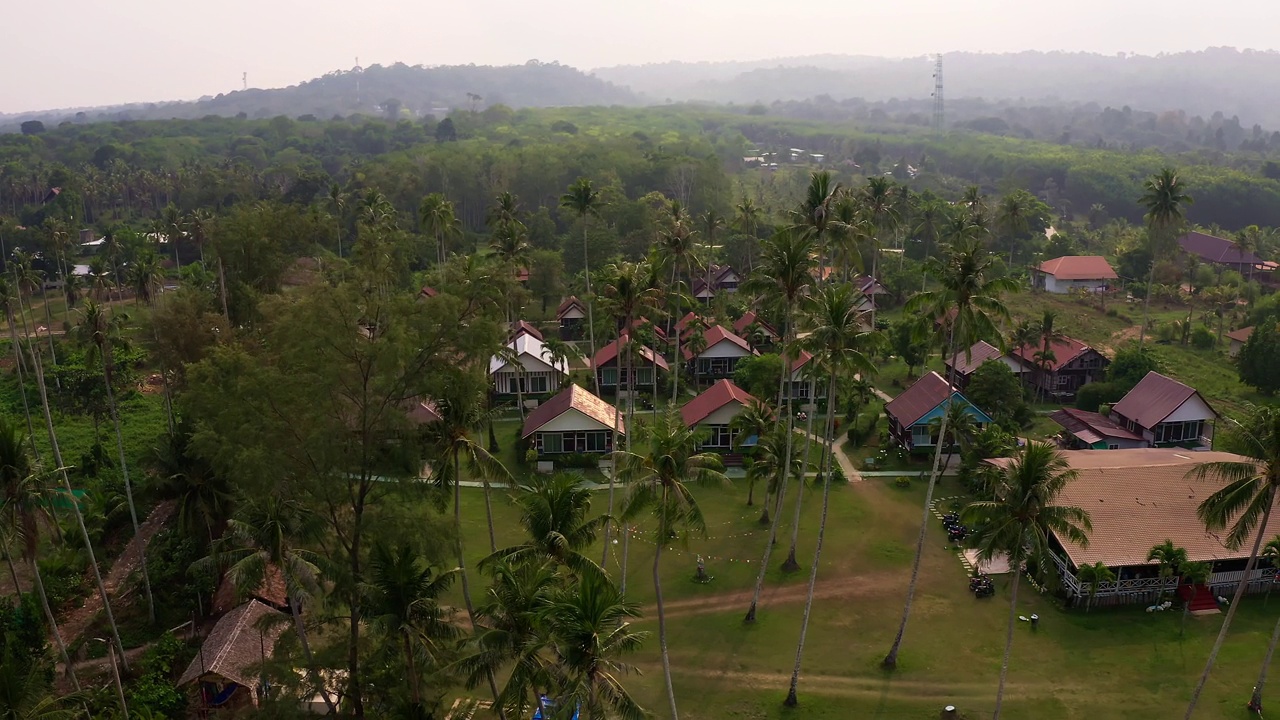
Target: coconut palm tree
point(146, 274)
point(1164, 199)
point(1169, 558)
point(100, 335)
point(9, 301)
point(584, 200)
point(839, 344)
point(931, 218)
point(24, 694)
point(677, 245)
point(555, 514)
point(768, 458)
point(440, 221)
point(662, 482)
point(1011, 216)
point(755, 421)
point(785, 273)
point(337, 204)
point(404, 607)
point(969, 300)
point(1019, 522)
point(961, 428)
point(878, 202)
point(1271, 553)
point(746, 221)
point(1093, 576)
point(1243, 504)
point(816, 216)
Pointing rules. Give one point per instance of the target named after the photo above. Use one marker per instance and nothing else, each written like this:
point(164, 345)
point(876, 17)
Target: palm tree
point(1049, 335)
point(146, 274)
point(1271, 553)
point(676, 246)
point(8, 300)
point(590, 632)
point(555, 514)
point(337, 203)
point(1164, 198)
point(29, 279)
point(1022, 518)
point(712, 222)
point(1255, 702)
point(754, 421)
point(203, 497)
point(1093, 576)
point(877, 200)
point(439, 221)
point(816, 216)
point(404, 607)
point(966, 289)
point(23, 694)
point(267, 535)
point(961, 428)
point(931, 217)
point(1169, 558)
point(768, 459)
point(746, 220)
point(785, 273)
point(1012, 216)
point(1243, 504)
point(100, 334)
point(661, 485)
point(838, 342)
point(585, 201)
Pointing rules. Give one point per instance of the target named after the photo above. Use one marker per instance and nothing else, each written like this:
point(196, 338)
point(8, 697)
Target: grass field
point(1114, 663)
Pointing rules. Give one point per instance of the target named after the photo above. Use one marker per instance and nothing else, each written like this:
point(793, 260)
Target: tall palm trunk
point(891, 660)
point(591, 303)
point(75, 506)
point(792, 700)
point(791, 564)
point(124, 470)
point(1146, 302)
point(1255, 701)
point(1231, 610)
point(662, 612)
point(613, 462)
point(53, 354)
point(462, 563)
point(53, 622)
point(675, 374)
point(301, 629)
point(1008, 638)
point(783, 473)
point(488, 514)
point(22, 385)
point(875, 269)
point(13, 572)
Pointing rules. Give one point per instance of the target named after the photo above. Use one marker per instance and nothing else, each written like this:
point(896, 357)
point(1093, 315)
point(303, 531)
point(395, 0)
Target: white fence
point(1140, 590)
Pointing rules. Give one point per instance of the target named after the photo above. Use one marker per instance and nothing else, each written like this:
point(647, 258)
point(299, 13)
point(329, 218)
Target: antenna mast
point(358, 71)
point(244, 78)
point(939, 110)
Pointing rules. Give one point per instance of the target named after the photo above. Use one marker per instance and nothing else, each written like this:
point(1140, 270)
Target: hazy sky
point(91, 52)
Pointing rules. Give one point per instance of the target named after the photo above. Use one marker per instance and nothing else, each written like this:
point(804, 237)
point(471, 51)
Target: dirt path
point(845, 587)
point(872, 687)
point(77, 621)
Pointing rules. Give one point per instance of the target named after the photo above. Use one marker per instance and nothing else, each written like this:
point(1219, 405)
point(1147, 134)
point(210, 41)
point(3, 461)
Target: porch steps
point(1200, 599)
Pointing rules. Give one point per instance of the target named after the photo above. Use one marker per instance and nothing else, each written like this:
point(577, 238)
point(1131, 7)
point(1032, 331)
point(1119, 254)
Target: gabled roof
point(1216, 249)
point(609, 353)
point(520, 326)
point(270, 591)
point(750, 318)
point(1090, 427)
point(569, 302)
point(1064, 351)
point(716, 335)
point(712, 399)
point(1153, 399)
point(800, 361)
point(237, 644)
point(642, 321)
point(422, 411)
point(428, 291)
point(718, 274)
point(525, 344)
point(925, 394)
point(577, 398)
point(1079, 267)
point(868, 285)
point(966, 362)
point(685, 322)
point(1242, 335)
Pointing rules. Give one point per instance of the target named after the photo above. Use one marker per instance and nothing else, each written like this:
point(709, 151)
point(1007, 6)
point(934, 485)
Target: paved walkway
point(851, 473)
point(878, 392)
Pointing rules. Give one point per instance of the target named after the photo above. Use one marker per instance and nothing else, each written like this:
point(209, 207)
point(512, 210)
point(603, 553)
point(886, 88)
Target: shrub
point(1202, 338)
point(1112, 312)
point(902, 482)
point(577, 460)
point(1093, 396)
point(530, 456)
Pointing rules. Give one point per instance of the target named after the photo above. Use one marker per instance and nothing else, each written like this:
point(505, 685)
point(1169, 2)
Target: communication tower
point(939, 110)
point(244, 78)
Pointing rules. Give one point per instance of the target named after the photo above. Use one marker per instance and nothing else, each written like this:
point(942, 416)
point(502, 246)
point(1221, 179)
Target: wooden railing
point(1140, 589)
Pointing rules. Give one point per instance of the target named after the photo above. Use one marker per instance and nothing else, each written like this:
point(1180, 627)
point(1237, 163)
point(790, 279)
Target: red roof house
point(574, 421)
point(1091, 273)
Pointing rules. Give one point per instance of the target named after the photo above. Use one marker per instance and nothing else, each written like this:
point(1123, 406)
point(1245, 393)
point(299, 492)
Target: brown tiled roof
point(520, 326)
point(271, 591)
point(1153, 399)
point(1079, 267)
point(916, 401)
point(422, 411)
point(717, 276)
point(238, 643)
point(428, 291)
point(1090, 427)
point(967, 362)
point(1216, 249)
point(750, 318)
point(868, 285)
point(711, 400)
point(570, 302)
point(1064, 351)
point(1241, 335)
point(715, 335)
point(1137, 499)
point(572, 397)
point(801, 361)
point(609, 352)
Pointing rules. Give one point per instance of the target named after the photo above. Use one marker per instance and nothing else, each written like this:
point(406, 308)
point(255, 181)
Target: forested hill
point(396, 90)
point(1244, 83)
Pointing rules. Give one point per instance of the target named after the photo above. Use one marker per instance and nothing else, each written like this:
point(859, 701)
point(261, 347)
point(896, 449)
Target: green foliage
point(1131, 363)
point(995, 390)
point(154, 690)
point(909, 342)
point(1093, 396)
point(902, 481)
point(759, 375)
point(1256, 362)
point(1202, 338)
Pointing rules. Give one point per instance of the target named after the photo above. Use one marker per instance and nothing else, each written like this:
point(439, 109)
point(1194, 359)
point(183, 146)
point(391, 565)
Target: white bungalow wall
point(724, 349)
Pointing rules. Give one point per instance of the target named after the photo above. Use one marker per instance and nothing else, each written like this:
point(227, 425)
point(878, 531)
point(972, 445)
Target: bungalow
point(1091, 273)
point(691, 323)
point(723, 277)
point(1238, 338)
point(1165, 412)
point(226, 667)
point(1071, 366)
point(756, 329)
point(1084, 430)
point(964, 364)
point(1136, 500)
point(871, 290)
point(574, 421)
point(533, 369)
point(912, 413)
point(572, 316)
point(614, 374)
point(720, 355)
point(1223, 253)
point(713, 412)
point(804, 386)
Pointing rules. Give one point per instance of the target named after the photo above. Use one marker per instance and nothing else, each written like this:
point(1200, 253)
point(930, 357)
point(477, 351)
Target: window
point(1175, 432)
point(1064, 380)
point(609, 376)
point(538, 383)
point(920, 435)
point(597, 441)
point(644, 375)
point(721, 436)
point(800, 389)
point(550, 443)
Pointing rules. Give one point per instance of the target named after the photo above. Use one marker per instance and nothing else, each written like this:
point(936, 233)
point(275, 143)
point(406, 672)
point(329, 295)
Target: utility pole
point(939, 110)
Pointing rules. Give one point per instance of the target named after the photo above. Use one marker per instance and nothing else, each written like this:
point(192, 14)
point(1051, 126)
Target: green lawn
point(1118, 663)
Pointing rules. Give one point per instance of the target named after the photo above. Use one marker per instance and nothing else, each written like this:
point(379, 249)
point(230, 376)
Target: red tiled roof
point(572, 398)
point(685, 321)
point(1064, 351)
point(916, 401)
point(568, 303)
point(428, 291)
point(1242, 335)
point(1216, 249)
point(801, 361)
point(711, 400)
point(966, 362)
point(750, 318)
point(1079, 267)
point(1153, 399)
point(1090, 426)
point(658, 332)
point(714, 336)
point(520, 326)
point(609, 353)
